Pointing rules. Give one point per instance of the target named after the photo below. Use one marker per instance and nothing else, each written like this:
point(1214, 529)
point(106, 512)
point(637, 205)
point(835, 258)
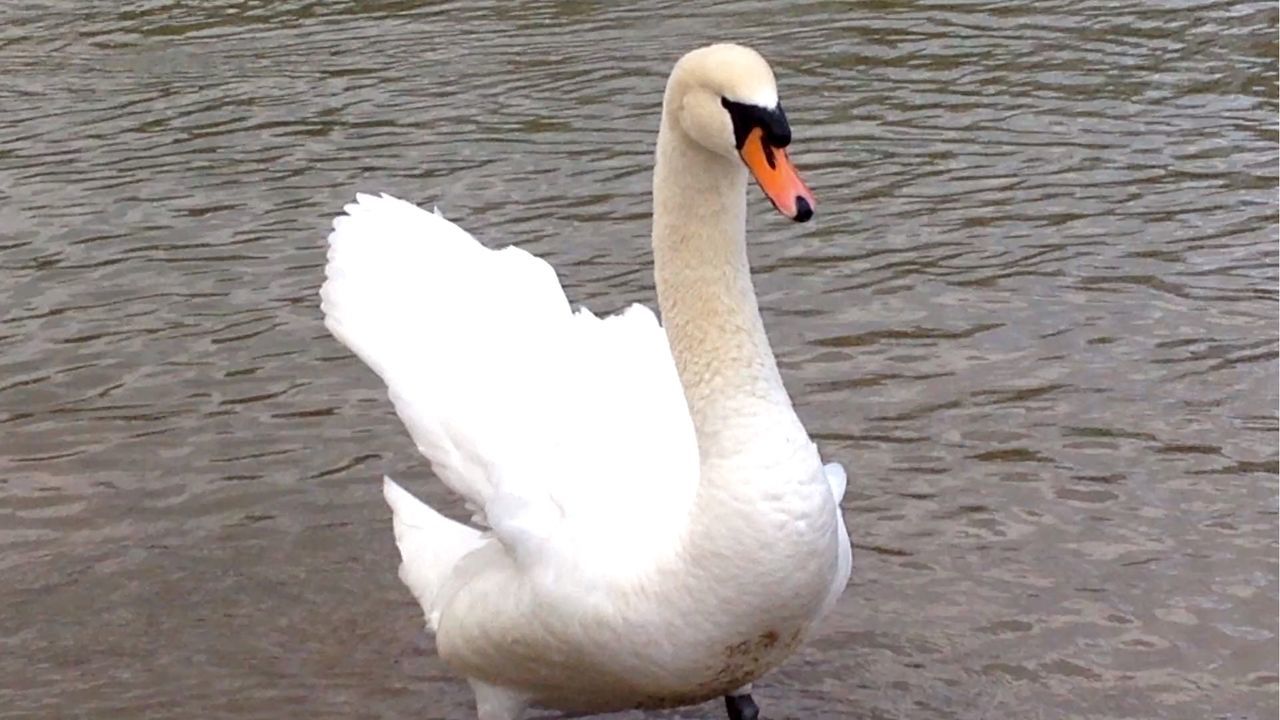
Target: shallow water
point(1035, 317)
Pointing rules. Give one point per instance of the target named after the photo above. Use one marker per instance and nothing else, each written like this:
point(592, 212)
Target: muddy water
point(1035, 317)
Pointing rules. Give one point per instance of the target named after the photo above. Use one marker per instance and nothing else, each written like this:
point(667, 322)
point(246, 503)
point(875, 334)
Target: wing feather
point(568, 433)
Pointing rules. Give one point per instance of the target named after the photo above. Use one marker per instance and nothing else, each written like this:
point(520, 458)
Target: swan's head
point(724, 98)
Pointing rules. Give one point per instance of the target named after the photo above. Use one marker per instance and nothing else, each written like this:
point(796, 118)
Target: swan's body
point(662, 528)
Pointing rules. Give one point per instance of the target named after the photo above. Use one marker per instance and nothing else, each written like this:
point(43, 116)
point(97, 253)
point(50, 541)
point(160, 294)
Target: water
point(1036, 317)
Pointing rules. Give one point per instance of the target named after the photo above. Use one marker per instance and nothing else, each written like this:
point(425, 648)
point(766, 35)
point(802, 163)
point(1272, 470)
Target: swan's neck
point(708, 303)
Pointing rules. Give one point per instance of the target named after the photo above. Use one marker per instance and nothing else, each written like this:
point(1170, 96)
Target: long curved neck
point(708, 303)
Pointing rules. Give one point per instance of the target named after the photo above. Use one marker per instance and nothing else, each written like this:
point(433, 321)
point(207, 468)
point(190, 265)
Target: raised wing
point(568, 433)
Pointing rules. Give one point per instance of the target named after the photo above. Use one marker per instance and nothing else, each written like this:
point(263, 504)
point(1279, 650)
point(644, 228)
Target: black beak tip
point(804, 210)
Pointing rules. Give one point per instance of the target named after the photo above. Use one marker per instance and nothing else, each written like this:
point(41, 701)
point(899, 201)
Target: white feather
point(568, 433)
point(434, 542)
point(838, 480)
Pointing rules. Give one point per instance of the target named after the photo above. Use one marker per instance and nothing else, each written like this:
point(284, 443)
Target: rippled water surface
point(1036, 317)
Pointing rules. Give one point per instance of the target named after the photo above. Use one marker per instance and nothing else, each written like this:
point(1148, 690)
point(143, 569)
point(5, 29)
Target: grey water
point(1036, 318)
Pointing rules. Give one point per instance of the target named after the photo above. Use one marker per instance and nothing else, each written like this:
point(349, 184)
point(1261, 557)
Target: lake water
point(1036, 317)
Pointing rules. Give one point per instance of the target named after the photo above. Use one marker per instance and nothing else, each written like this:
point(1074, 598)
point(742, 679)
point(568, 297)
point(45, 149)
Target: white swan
point(661, 528)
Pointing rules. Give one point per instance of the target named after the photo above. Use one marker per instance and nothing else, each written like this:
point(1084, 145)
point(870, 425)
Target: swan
point(652, 526)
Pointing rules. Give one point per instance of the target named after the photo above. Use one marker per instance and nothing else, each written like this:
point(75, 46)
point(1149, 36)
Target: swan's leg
point(740, 704)
point(496, 703)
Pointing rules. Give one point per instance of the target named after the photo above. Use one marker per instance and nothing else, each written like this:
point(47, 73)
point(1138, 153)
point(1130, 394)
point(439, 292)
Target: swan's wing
point(568, 434)
point(838, 480)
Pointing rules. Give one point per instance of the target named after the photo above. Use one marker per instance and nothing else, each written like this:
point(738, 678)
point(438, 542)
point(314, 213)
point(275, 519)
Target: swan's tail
point(430, 545)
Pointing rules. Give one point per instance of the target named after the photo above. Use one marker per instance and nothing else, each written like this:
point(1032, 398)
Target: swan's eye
point(747, 117)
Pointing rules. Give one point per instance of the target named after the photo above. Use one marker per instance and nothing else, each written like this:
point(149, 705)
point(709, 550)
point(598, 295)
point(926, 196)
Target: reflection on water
point(1036, 318)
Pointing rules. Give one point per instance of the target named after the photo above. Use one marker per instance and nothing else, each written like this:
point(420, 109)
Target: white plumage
point(652, 525)
point(544, 419)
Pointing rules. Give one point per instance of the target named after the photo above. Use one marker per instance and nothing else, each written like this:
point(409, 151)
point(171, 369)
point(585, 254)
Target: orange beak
point(777, 177)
